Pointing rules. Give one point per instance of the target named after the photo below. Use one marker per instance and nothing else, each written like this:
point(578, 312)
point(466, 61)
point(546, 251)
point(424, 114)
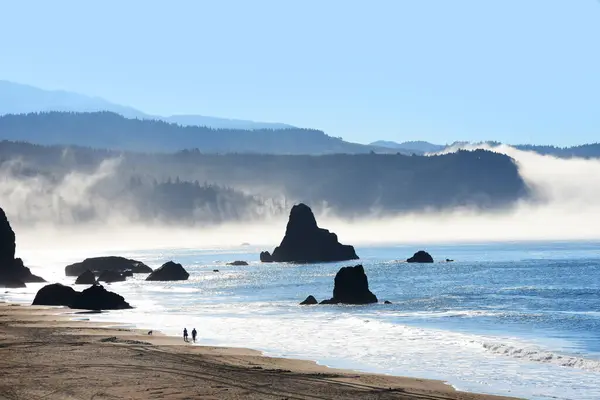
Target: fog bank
point(564, 205)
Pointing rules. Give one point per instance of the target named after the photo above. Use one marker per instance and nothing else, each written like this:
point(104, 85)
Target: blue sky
point(519, 71)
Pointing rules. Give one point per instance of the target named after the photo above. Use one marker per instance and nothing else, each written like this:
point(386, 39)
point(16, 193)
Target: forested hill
point(112, 131)
point(345, 184)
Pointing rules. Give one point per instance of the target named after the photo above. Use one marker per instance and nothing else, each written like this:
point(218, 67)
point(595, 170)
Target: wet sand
point(44, 354)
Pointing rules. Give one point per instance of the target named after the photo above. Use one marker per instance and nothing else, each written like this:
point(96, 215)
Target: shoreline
point(47, 353)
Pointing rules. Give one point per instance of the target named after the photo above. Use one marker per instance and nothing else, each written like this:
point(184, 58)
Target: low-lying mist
point(564, 205)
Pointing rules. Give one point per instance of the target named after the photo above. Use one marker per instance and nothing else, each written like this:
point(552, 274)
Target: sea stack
point(351, 286)
point(86, 278)
point(305, 242)
point(93, 298)
point(111, 263)
point(421, 257)
point(13, 273)
point(169, 271)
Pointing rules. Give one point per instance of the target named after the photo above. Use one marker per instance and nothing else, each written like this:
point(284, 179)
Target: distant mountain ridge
point(589, 150)
point(420, 147)
point(108, 130)
point(16, 98)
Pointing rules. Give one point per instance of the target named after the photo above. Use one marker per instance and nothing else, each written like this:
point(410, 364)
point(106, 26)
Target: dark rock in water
point(97, 298)
point(111, 263)
point(87, 278)
point(449, 260)
point(387, 302)
point(13, 273)
point(215, 270)
point(110, 276)
point(238, 263)
point(23, 273)
point(422, 257)
point(93, 298)
point(330, 301)
point(55, 295)
point(169, 271)
point(266, 257)
point(351, 286)
point(310, 300)
point(304, 241)
point(128, 273)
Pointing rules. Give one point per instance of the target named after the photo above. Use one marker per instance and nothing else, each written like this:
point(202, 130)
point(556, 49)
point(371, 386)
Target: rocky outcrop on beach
point(351, 286)
point(96, 297)
point(86, 278)
point(421, 257)
point(305, 242)
point(110, 263)
point(238, 263)
point(310, 300)
point(111, 276)
point(169, 271)
point(13, 274)
point(55, 295)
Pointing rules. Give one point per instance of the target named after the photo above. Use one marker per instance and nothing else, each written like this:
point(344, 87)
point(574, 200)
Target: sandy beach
point(45, 354)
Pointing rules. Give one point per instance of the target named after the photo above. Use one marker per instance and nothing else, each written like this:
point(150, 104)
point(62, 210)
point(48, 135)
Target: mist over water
point(564, 199)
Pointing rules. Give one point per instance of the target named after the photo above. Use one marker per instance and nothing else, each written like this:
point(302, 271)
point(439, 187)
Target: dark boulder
point(93, 298)
point(55, 295)
point(449, 260)
point(12, 271)
point(330, 301)
point(304, 241)
point(351, 286)
point(422, 257)
point(238, 263)
point(111, 263)
point(110, 277)
point(169, 271)
point(97, 298)
point(22, 273)
point(266, 257)
point(310, 300)
point(87, 278)
point(387, 302)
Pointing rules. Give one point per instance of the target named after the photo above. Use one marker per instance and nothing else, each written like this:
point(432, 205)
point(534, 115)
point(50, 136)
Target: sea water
point(519, 319)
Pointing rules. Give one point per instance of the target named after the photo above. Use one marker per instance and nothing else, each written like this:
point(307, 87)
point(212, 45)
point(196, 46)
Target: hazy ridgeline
point(73, 184)
point(108, 130)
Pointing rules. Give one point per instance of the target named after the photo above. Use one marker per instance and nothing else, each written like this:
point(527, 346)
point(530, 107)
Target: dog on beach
point(149, 332)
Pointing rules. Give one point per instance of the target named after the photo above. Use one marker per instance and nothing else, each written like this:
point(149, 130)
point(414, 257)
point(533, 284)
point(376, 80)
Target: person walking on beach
point(185, 335)
point(194, 333)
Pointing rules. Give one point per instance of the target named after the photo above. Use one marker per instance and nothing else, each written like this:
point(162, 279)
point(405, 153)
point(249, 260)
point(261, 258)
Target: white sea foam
point(536, 354)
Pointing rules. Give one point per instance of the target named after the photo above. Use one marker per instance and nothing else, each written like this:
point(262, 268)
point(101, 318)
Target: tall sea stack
point(12, 271)
point(305, 242)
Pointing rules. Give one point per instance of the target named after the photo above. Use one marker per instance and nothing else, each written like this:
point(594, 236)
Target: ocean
point(519, 319)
